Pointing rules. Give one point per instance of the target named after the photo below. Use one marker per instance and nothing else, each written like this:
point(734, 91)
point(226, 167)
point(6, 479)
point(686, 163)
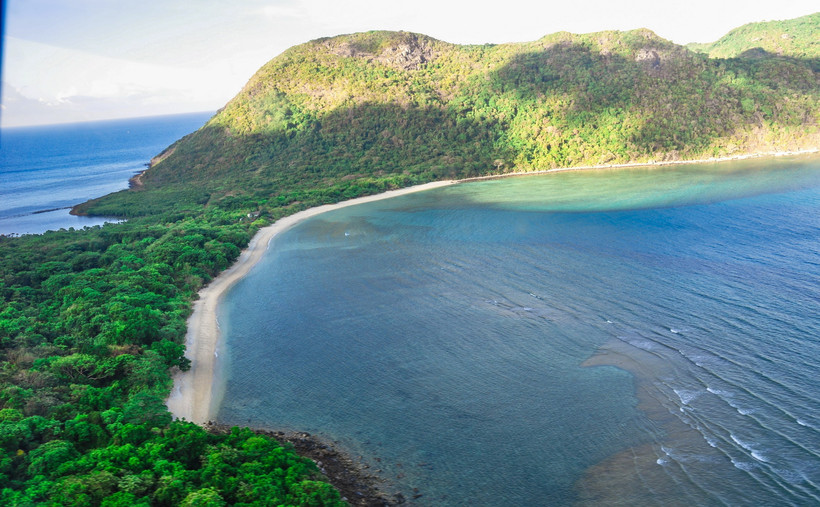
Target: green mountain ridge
point(796, 38)
point(402, 108)
point(93, 321)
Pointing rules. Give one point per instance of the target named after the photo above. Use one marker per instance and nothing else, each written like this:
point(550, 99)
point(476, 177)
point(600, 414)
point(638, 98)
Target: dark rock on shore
point(356, 486)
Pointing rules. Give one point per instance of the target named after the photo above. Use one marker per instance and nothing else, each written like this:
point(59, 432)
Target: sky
point(81, 60)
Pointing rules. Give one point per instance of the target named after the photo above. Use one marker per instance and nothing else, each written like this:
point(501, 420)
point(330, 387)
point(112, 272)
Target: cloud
point(19, 110)
point(46, 78)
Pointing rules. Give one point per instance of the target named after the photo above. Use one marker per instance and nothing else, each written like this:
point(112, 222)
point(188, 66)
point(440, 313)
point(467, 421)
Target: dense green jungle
point(92, 322)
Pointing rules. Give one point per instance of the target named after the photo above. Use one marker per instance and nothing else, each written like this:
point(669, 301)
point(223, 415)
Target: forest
point(93, 321)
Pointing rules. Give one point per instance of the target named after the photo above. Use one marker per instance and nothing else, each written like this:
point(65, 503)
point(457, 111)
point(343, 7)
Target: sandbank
point(195, 397)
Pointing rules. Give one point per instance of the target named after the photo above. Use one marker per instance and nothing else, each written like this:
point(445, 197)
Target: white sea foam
point(759, 457)
point(686, 395)
point(663, 460)
point(751, 448)
point(740, 410)
point(718, 392)
point(743, 465)
point(741, 443)
point(732, 403)
point(710, 439)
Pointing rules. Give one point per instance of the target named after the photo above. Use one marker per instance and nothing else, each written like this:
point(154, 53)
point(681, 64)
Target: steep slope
point(384, 109)
point(796, 38)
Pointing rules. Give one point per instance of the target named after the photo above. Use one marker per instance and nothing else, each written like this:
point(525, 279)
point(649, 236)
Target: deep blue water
point(46, 170)
point(633, 337)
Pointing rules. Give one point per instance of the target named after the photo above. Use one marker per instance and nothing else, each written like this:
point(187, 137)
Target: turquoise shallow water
point(632, 336)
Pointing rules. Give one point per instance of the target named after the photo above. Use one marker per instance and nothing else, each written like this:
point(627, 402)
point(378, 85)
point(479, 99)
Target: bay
point(635, 337)
point(46, 170)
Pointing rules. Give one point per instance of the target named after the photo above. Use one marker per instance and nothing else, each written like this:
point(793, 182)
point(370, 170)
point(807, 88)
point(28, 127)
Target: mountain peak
point(401, 50)
point(795, 38)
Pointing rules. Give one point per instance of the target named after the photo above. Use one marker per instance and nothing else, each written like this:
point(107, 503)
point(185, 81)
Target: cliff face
point(401, 51)
point(403, 107)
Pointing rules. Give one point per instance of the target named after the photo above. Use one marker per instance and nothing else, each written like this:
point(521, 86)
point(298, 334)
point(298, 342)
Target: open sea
point(46, 170)
point(622, 337)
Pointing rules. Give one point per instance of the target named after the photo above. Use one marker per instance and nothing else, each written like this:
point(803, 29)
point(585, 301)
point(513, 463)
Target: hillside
point(795, 38)
point(383, 109)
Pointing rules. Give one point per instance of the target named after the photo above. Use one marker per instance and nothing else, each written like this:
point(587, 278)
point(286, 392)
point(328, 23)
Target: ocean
point(46, 170)
point(639, 336)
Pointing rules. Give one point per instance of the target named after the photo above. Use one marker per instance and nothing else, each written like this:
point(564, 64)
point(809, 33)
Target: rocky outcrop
point(403, 50)
point(357, 486)
point(408, 55)
point(649, 56)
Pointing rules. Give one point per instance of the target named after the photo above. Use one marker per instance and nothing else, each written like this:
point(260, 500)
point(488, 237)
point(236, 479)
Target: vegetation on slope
point(343, 113)
point(794, 38)
point(92, 321)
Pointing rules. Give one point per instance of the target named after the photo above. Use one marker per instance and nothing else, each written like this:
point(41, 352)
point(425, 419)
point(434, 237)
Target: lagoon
point(636, 336)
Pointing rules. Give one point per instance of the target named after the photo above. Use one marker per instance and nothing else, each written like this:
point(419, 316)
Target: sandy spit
point(194, 396)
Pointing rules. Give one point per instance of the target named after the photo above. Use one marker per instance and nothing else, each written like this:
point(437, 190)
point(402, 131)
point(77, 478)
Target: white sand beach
point(194, 396)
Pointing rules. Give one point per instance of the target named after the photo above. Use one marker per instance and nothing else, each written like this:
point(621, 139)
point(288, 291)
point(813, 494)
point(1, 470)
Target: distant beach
point(194, 396)
point(651, 163)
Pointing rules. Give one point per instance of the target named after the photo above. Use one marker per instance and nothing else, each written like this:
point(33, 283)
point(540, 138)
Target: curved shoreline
point(663, 163)
point(195, 396)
